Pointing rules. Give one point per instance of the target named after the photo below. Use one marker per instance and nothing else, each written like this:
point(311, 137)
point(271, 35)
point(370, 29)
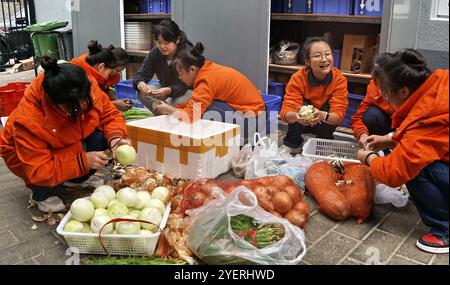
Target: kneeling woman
point(216, 88)
point(59, 132)
point(420, 155)
point(373, 116)
point(319, 85)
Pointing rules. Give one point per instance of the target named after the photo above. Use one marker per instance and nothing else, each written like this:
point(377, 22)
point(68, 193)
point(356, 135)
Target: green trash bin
point(45, 38)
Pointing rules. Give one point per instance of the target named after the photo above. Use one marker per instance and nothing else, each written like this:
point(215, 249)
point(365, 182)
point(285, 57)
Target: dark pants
point(95, 142)
point(377, 121)
point(218, 111)
point(429, 191)
point(294, 138)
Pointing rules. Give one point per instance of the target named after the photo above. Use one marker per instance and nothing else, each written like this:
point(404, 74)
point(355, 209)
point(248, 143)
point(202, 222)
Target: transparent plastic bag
point(387, 195)
point(267, 160)
point(239, 161)
point(213, 241)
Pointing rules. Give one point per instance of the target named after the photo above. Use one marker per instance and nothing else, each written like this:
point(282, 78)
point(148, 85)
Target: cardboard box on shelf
point(358, 53)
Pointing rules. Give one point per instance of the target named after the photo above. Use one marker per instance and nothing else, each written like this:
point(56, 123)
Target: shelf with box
point(353, 26)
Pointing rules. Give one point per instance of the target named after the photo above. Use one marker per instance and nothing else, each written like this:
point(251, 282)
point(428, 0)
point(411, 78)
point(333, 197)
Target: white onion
point(146, 232)
point(107, 190)
point(117, 210)
point(73, 227)
point(112, 202)
point(134, 213)
point(82, 210)
point(127, 196)
point(126, 155)
point(98, 222)
point(150, 215)
point(161, 193)
point(100, 200)
point(143, 199)
point(86, 228)
point(100, 212)
point(128, 228)
point(157, 204)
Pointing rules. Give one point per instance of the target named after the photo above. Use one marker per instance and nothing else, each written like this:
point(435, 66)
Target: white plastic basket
point(126, 245)
point(321, 149)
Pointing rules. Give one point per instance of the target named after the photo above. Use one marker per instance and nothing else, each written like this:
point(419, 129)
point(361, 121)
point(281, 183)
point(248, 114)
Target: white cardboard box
point(190, 151)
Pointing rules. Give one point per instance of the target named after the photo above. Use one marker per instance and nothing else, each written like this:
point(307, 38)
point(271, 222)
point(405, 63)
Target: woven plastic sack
point(286, 53)
point(213, 241)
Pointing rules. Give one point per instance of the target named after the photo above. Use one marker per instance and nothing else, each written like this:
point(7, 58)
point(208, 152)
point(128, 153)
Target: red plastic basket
point(10, 96)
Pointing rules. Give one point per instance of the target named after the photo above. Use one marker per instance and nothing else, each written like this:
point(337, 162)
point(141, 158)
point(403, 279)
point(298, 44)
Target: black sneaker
point(433, 244)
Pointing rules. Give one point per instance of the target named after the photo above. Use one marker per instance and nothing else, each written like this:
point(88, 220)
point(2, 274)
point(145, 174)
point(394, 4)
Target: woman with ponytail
point(216, 88)
point(59, 132)
point(170, 41)
point(105, 66)
point(420, 143)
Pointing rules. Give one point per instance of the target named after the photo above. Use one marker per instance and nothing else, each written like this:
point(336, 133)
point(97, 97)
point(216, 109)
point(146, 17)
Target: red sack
point(342, 195)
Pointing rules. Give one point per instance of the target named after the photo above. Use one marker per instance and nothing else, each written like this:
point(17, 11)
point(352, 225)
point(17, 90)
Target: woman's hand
point(115, 143)
point(161, 93)
point(97, 159)
point(123, 105)
point(165, 109)
point(377, 143)
point(363, 140)
point(144, 88)
point(319, 116)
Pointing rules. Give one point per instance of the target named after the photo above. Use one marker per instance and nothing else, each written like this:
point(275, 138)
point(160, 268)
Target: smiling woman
point(319, 85)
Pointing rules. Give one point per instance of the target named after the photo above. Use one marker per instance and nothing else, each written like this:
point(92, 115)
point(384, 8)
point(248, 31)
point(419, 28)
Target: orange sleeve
point(112, 81)
point(338, 101)
point(293, 99)
point(202, 98)
point(112, 121)
point(412, 154)
point(44, 167)
point(358, 125)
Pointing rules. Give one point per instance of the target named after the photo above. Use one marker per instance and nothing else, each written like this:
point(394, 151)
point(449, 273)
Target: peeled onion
point(161, 193)
point(117, 210)
point(82, 210)
point(73, 227)
point(157, 204)
point(107, 190)
point(143, 199)
point(126, 154)
point(98, 222)
point(150, 215)
point(100, 200)
point(127, 196)
point(128, 228)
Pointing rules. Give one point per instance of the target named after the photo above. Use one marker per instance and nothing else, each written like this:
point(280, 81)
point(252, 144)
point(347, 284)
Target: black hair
point(171, 32)
point(306, 51)
point(405, 68)
point(98, 54)
point(192, 57)
point(68, 85)
point(121, 56)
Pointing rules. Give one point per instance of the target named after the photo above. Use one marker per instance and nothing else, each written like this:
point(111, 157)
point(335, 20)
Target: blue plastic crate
point(353, 104)
point(372, 8)
point(275, 88)
point(337, 58)
point(273, 103)
point(146, 6)
point(169, 10)
point(340, 7)
point(125, 90)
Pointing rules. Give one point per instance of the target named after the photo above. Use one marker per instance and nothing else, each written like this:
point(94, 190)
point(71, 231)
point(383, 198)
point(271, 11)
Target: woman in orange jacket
point(105, 65)
point(319, 85)
point(373, 116)
point(420, 143)
point(59, 132)
point(219, 91)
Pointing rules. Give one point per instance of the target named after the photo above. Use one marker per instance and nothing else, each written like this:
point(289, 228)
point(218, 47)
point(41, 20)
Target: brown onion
point(296, 218)
point(282, 202)
point(301, 207)
point(294, 192)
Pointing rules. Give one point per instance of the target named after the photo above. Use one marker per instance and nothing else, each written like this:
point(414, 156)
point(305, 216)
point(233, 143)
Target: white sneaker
point(52, 204)
point(290, 150)
point(93, 181)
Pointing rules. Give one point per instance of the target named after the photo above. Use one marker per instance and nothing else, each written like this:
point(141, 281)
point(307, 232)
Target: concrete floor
point(388, 237)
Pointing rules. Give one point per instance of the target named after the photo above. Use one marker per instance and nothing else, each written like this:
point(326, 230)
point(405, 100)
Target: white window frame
point(436, 13)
